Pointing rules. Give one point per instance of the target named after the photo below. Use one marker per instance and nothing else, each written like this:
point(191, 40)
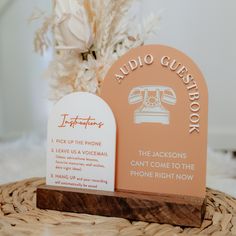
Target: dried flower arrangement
point(89, 36)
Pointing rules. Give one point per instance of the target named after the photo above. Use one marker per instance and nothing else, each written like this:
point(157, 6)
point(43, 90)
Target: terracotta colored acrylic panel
point(160, 100)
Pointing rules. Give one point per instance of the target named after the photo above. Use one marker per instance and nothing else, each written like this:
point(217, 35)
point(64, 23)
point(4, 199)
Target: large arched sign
point(160, 100)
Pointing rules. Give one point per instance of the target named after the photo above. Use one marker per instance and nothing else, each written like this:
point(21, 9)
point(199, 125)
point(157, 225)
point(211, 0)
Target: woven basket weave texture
point(19, 216)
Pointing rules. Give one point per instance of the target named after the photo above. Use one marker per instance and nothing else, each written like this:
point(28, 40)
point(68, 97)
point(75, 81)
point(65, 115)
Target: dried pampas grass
point(89, 36)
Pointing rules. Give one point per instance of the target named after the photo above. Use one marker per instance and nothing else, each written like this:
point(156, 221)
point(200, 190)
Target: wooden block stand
point(171, 209)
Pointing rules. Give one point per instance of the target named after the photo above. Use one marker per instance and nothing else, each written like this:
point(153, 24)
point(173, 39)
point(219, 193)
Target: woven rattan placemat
point(19, 216)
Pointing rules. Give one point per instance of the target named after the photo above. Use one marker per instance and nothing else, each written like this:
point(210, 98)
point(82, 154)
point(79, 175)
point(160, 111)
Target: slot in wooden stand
point(160, 208)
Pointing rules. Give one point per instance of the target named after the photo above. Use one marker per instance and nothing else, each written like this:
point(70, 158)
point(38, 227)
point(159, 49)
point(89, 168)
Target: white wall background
point(203, 29)
point(206, 31)
point(23, 93)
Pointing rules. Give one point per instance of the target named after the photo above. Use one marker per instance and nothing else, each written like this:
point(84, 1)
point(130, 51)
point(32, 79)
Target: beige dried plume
point(89, 36)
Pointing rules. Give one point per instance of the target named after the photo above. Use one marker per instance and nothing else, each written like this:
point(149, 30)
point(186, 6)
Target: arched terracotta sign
point(81, 143)
point(160, 100)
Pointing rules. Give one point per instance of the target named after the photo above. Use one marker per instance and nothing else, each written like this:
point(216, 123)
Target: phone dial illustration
point(152, 97)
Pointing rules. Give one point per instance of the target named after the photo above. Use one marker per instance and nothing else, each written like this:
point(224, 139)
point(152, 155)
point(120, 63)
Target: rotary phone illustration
point(152, 98)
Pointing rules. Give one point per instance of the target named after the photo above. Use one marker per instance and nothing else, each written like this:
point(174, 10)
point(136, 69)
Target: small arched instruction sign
point(160, 100)
point(81, 143)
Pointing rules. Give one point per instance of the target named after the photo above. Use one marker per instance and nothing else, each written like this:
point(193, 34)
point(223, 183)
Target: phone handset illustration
point(152, 98)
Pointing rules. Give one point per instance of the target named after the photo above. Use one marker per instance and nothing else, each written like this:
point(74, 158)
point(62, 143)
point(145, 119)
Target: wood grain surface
point(170, 209)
